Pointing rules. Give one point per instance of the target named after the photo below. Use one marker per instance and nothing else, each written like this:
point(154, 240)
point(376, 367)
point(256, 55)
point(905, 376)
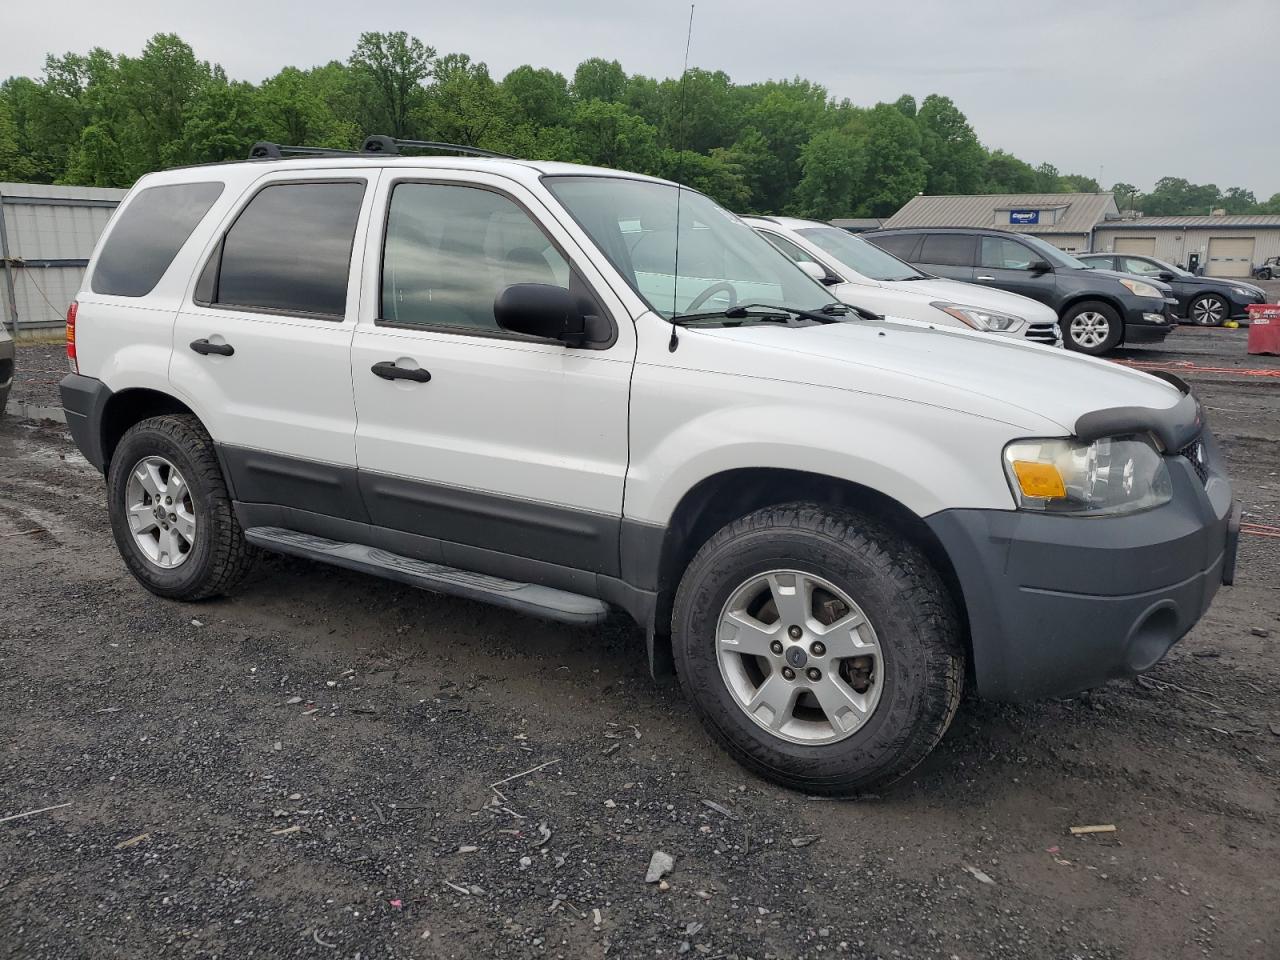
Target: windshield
point(1052, 253)
point(856, 254)
point(1176, 271)
point(722, 261)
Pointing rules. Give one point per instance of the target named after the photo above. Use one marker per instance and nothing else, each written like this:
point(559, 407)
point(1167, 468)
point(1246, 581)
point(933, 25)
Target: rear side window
point(150, 232)
point(899, 244)
point(947, 249)
point(289, 250)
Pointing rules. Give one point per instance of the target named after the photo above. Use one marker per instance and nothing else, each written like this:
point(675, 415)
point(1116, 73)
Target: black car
point(1098, 309)
point(1207, 301)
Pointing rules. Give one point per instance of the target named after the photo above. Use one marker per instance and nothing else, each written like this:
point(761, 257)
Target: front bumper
point(1149, 321)
point(1059, 604)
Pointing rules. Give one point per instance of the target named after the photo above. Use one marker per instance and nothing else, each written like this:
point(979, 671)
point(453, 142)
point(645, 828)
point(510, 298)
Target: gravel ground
point(305, 769)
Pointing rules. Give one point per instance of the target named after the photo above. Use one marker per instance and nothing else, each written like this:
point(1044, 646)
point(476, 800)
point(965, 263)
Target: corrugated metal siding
point(1174, 245)
point(1081, 212)
point(49, 223)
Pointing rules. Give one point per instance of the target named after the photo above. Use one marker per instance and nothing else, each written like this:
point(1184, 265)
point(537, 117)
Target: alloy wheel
point(799, 657)
point(161, 512)
point(1090, 329)
point(1208, 311)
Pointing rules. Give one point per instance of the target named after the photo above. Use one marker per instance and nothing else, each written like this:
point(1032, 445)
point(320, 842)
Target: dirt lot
point(304, 770)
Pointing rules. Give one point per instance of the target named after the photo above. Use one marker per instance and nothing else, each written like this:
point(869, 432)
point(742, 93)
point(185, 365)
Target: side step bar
point(527, 598)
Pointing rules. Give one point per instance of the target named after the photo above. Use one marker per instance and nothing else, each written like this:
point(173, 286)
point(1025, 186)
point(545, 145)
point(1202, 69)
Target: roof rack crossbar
point(391, 145)
point(265, 150)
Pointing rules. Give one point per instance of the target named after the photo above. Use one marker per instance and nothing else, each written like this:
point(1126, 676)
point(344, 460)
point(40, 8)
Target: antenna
point(675, 268)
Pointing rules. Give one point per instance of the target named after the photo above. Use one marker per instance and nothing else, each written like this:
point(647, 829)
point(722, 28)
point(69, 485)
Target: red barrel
point(1264, 328)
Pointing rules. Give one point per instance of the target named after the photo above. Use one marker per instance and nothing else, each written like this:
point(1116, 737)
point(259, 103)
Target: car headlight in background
point(1244, 292)
point(1140, 289)
point(1109, 476)
point(989, 321)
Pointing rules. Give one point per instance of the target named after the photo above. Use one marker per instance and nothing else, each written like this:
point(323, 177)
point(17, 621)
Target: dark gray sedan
point(1206, 301)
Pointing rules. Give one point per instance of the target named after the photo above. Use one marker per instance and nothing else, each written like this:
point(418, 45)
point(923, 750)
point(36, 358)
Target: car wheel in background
point(1209, 310)
point(1091, 327)
point(1264, 273)
point(819, 647)
point(170, 511)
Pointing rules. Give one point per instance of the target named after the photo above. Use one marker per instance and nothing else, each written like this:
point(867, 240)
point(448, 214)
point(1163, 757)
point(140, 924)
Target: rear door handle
point(984, 278)
point(204, 348)
point(387, 370)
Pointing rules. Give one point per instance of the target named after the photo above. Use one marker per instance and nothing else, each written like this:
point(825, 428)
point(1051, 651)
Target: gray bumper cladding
point(536, 601)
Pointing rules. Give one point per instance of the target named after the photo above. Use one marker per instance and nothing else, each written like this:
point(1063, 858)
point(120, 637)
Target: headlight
point(990, 321)
point(1109, 476)
point(1140, 289)
point(1244, 292)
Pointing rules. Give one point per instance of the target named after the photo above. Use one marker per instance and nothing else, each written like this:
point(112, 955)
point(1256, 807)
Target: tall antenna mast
point(675, 268)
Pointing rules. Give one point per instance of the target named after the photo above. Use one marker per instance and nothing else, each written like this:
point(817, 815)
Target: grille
point(1042, 332)
point(1194, 451)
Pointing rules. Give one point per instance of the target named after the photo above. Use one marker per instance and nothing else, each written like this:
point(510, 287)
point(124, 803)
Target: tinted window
point(861, 256)
point(948, 249)
point(1099, 263)
point(290, 249)
point(451, 250)
point(1005, 254)
point(1140, 266)
point(900, 245)
point(148, 235)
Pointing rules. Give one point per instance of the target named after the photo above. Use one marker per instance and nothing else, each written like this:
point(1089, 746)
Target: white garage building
point(1226, 246)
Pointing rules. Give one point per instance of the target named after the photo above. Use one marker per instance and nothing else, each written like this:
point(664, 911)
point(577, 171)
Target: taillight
point(72, 362)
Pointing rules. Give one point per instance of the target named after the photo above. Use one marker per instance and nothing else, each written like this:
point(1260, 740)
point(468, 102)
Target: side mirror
point(818, 272)
point(1166, 275)
point(1040, 266)
point(541, 310)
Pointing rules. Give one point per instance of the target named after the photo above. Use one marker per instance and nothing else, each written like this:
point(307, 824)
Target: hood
point(1159, 284)
point(974, 295)
point(994, 377)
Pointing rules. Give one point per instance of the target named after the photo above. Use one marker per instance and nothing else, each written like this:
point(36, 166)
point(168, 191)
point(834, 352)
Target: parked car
point(1268, 270)
point(6, 367)
point(1098, 310)
point(561, 389)
point(862, 274)
point(1205, 301)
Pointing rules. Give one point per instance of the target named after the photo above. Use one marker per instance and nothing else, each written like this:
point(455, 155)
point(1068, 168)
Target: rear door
point(514, 446)
point(949, 255)
point(262, 343)
point(1006, 264)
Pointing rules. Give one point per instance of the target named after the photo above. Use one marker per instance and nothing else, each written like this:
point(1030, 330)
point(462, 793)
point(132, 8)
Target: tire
point(908, 613)
point(1264, 273)
point(1091, 327)
point(1208, 310)
point(217, 556)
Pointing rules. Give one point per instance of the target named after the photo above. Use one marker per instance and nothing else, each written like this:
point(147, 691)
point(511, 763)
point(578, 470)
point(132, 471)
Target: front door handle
point(984, 278)
point(204, 348)
point(387, 370)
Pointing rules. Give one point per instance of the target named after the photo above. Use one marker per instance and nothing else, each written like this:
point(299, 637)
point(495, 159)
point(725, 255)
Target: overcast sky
point(1123, 91)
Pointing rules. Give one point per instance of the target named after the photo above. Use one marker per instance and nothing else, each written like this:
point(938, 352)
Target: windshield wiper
point(739, 311)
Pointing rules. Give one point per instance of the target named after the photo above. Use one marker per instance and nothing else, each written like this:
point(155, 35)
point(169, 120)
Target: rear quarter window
point(147, 236)
point(901, 245)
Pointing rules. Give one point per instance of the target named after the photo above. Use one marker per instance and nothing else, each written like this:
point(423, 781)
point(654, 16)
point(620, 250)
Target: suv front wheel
point(170, 511)
point(819, 647)
point(1091, 327)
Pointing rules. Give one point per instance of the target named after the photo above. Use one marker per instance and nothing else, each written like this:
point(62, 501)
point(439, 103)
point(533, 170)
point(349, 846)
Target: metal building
point(1067, 220)
point(1226, 246)
point(47, 234)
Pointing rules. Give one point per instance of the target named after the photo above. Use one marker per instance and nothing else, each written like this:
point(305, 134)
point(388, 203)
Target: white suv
point(861, 274)
point(523, 383)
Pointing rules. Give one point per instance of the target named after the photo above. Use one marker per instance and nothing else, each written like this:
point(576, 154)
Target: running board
point(527, 598)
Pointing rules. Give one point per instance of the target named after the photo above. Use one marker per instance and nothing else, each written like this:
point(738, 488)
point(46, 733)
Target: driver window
point(450, 250)
point(1002, 254)
point(786, 246)
point(1144, 267)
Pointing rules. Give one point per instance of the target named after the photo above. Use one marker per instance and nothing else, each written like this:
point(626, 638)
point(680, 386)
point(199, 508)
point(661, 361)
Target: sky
point(1121, 90)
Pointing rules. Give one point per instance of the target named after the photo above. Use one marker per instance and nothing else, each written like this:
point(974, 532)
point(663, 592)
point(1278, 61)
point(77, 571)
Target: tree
point(835, 166)
point(1046, 179)
point(1005, 173)
point(294, 107)
point(607, 135)
point(950, 147)
point(13, 164)
point(538, 96)
point(1125, 194)
point(463, 105)
point(391, 68)
point(1239, 200)
point(598, 79)
point(699, 111)
point(1078, 183)
point(1174, 196)
point(896, 170)
point(715, 175)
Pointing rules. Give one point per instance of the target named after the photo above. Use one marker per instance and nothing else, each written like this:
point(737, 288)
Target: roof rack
point(265, 150)
point(390, 145)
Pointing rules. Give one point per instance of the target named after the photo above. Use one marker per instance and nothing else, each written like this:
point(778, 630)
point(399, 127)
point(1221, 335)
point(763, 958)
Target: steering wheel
point(722, 287)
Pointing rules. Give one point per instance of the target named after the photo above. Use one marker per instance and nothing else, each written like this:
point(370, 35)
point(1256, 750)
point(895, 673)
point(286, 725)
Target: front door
point(262, 344)
point(489, 444)
point(1006, 265)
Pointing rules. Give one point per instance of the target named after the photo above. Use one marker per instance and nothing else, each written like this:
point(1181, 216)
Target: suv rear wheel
point(819, 647)
point(1091, 327)
point(170, 511)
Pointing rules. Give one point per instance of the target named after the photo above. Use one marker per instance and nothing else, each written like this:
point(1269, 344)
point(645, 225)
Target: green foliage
point(777, 146)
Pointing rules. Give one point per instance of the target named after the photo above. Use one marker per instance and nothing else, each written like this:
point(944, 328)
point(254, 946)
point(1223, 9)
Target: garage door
point(1143, 246)
point(1230, 257)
